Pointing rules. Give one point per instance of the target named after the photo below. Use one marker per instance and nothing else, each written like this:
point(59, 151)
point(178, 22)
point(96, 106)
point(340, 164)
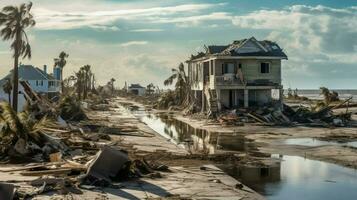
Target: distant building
point(38, 79)
point(242, 74)
point(137, 89)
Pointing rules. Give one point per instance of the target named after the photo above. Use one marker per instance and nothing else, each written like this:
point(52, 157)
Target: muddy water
point(292, 178)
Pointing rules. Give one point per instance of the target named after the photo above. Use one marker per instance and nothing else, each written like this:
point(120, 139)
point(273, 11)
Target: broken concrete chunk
point(7, 191)
point(108, 164)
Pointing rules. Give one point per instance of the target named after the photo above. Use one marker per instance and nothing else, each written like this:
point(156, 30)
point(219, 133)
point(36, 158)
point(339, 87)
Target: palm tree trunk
point(85, 87)
point(15, 89)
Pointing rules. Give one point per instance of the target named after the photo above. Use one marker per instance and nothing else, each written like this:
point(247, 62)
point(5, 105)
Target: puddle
point(293, 178)
point(195, 140)
point(312, 142)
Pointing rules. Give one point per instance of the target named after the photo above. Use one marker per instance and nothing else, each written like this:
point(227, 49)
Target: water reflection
point(312, 142)
point(309, 179)
point(195, 140)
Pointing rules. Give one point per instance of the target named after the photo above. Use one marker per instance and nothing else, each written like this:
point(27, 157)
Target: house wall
point(251, 69)
point(21, 99)
point(138, 91)
point(40, 87)
point(259, 97)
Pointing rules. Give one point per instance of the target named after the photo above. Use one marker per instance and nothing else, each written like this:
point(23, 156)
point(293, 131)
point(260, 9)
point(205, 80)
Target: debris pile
point(70, 109)
point(320, 115)
point(65, 160)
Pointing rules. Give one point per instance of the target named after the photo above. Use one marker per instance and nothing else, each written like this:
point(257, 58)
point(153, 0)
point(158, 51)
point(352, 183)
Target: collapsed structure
point(246, 73)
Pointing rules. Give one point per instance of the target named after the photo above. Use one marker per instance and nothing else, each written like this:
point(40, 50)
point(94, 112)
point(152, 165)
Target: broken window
point(264, 68)
point(228, 68)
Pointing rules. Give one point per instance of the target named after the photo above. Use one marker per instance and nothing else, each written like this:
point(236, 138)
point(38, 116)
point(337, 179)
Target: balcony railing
point(231, 79)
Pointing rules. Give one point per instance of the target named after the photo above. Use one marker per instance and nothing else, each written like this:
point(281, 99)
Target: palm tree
point(7, 87)
point(112, 80)
point(14, 21)
point(150, 88)
point(80, 82)
point(182, 83)
point(87, 74)
point(61, 62)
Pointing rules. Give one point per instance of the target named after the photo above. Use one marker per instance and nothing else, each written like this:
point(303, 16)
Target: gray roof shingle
point(29, 72)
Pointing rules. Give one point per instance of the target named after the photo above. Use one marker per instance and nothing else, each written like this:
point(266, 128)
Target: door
point(231, 98)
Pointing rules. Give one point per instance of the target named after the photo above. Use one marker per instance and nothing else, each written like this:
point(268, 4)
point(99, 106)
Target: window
point(264, 68)
point(41, 83)
point(240, 65)
point(51, 83)
point(36, 83)
point(228, 68)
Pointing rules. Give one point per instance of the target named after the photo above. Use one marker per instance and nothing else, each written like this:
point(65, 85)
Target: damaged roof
point(244, 47)
point(135, 86)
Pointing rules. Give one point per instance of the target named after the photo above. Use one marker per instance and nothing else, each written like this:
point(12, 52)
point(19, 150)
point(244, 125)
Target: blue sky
point(141, 40)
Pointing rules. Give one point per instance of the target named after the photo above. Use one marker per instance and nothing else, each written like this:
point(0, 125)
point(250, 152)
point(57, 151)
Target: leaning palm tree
point(61, 62)
point(7, 87)
point(20, 126)
point(15, 20)
point(182, 83)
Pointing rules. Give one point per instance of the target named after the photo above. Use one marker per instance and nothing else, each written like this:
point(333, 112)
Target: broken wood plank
point(31, 167)
point(49, 172)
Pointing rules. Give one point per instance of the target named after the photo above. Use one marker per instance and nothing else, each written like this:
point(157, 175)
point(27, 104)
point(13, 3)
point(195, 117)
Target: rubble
point(322, 116)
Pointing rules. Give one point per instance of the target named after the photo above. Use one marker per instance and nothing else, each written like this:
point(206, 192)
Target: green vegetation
point(14, 21)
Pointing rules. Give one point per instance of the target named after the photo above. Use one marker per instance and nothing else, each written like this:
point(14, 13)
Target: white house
point(137, 89)
point(38, 79)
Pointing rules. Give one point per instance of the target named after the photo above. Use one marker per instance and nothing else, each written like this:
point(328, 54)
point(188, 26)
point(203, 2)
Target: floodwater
point(309, 179)
point(195, 140)
point(292, 178)
point(312, 142)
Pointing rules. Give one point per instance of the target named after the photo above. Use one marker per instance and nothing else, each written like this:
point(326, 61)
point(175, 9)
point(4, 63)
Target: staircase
point(211, 96)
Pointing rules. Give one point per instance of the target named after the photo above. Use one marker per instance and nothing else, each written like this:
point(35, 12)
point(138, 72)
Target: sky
point(139, 41)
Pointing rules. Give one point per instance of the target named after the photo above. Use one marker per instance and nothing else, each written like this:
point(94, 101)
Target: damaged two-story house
point(246, 73)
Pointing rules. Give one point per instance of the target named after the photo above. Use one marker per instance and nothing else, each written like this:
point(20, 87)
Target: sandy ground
point(187, 178)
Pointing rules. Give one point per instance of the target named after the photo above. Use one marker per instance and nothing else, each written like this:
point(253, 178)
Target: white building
point(38, 79)
point(137, 89)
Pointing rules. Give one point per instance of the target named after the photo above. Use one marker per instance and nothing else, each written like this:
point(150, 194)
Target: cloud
point(147, 30)
point(132, 43)
point(309, 28)
point(48, 18)
point(316, 38)
point(105, 28)
point(187, 21)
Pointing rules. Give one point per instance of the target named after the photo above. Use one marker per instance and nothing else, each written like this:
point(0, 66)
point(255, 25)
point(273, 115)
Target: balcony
point(225, 80)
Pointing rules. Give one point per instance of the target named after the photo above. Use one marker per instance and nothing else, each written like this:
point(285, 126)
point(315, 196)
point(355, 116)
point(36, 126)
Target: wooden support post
point(246, 98)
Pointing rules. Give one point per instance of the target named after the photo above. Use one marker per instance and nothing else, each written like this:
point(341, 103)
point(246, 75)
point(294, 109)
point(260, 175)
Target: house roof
point(264, 48)
point(29, 72)
point(135, 86)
